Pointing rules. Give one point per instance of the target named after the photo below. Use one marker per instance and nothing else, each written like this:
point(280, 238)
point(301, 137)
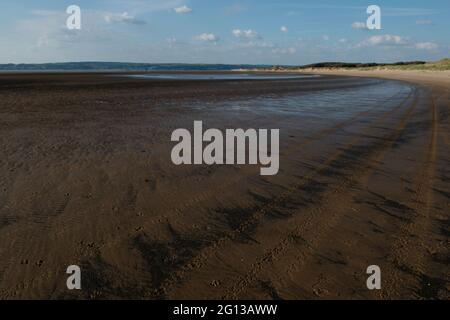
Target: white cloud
point(208, 37)
point(384, 40)
point(426, 46)
point(122, 18)
point(45, 34)
point(183, 9)
point(343, 40)
point(284, 29)
point(143, 6)
point(396, 41)
point(248, 34)
point(48, 29)
point(325, 37)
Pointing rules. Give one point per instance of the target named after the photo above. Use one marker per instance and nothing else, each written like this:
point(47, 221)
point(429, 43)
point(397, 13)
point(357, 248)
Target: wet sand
point(87, 180)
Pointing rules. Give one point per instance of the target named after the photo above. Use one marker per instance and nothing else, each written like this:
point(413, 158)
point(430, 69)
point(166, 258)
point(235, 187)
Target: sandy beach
point(86, 179)
point(431, 78)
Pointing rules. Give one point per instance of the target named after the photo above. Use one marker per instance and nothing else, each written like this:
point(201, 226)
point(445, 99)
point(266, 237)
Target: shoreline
point(440, 78)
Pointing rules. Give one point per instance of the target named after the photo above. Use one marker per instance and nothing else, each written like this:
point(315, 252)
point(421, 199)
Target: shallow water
point(333, 104)
point(299, 114)
point(219, 76)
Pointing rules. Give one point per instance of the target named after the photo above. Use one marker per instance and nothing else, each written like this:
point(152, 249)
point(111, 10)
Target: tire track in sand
point(409, 250)
point(178, 211)
point(205, 253)
point(205, 195)
point(316, 223)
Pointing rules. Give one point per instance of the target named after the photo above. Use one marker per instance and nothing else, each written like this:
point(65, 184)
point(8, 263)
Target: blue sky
point(223, 31)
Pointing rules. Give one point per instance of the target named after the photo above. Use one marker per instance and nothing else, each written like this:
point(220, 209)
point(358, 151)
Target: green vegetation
point(340, 65)
point(441, 65)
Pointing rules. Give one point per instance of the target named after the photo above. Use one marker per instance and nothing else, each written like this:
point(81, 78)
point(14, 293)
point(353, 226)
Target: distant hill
point(120, 66)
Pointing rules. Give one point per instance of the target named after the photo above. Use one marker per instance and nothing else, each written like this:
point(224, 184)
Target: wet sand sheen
point(218, 76)
point(88, 180)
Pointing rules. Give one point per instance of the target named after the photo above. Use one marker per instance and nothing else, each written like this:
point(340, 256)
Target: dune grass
point(442, 65)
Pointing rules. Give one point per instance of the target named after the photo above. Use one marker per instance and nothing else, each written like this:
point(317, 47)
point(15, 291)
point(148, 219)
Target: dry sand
point(86, 179)
point(432, 78)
